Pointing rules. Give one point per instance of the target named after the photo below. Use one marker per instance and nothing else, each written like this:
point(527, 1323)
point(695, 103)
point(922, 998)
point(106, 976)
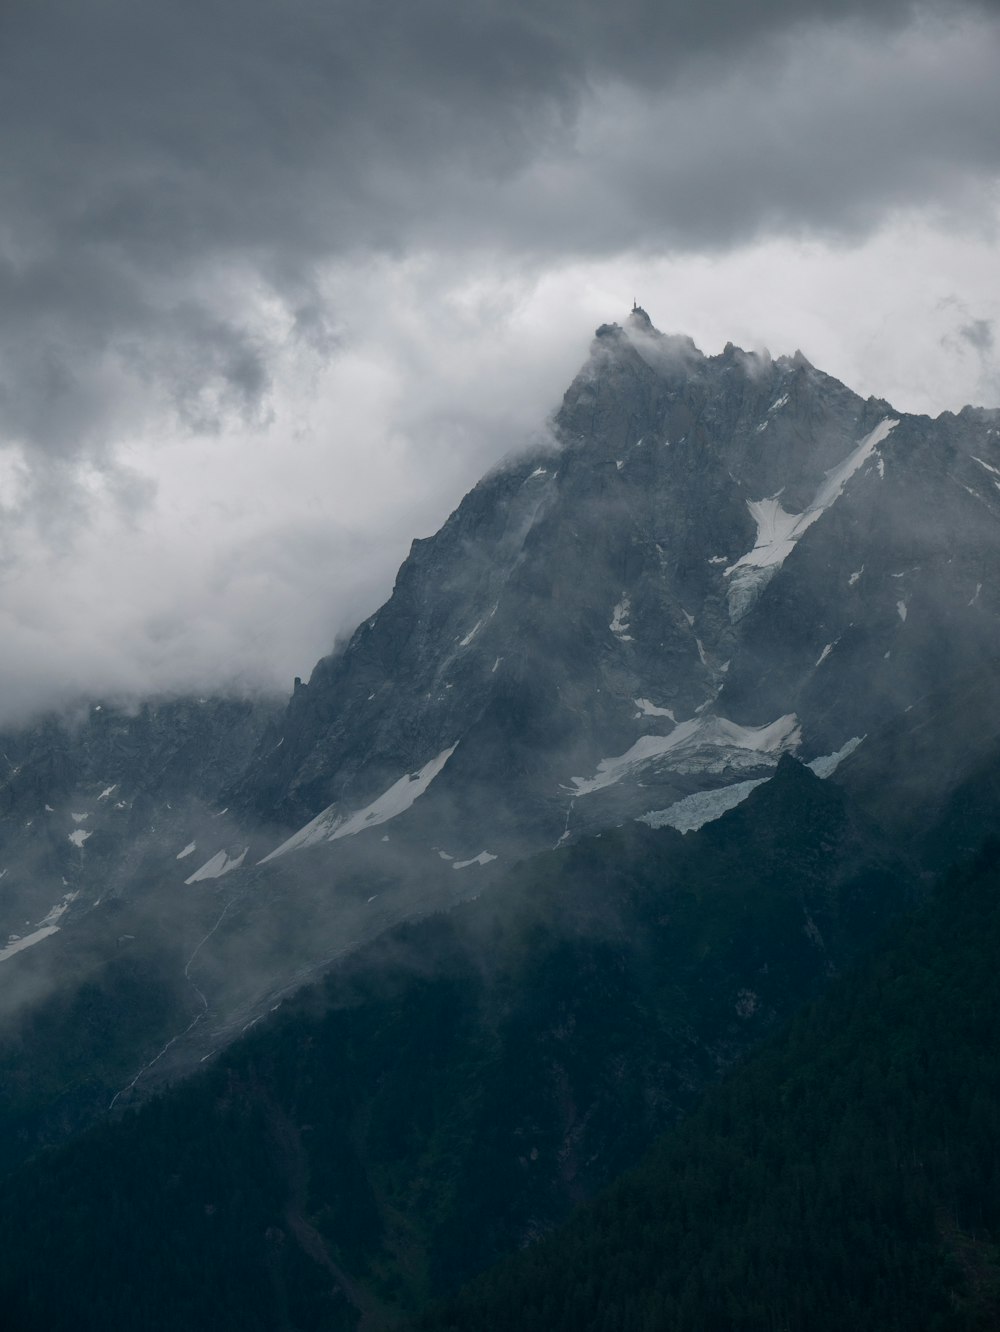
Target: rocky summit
point(711, 562)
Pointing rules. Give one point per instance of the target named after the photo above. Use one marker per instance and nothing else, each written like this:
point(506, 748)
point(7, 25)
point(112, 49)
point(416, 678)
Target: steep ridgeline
point(718, 560)
point(712, 562)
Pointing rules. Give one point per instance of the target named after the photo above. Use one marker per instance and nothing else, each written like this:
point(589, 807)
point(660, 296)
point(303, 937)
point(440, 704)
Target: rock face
point(87, 799)
point(714, 562)
point(719, 558)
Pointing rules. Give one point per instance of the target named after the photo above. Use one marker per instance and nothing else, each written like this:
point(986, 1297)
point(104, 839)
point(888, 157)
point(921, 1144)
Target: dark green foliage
point(454, 1088)
point(847, 1177)
point(62, 1060)
point(156, 1223)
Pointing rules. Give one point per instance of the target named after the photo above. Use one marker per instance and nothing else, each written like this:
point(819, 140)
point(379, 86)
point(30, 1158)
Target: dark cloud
point(972, 337)
point(978, 333)
point(175, 175)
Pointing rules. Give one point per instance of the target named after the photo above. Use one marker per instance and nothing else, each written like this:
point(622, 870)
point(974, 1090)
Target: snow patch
point(703, 807)
point(79, 818)
point(619, 625)
point(975, 493)
point(329, 825)
point(855, 576)
point(779, 531)
point(108, 790)
point(694, 811)
point(824, 654)
point(79, 837)
point(827, 763)
point(483, 858)
point(221, 863)
point(477, 626)
point(57, 912)
point(761, 744)
point(778, 402)
point(188, 851)
point(29, 940)
point(901, 610)
point(649, 709)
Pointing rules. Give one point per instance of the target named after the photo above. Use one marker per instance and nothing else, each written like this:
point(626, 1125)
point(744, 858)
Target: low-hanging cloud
point(978, 333)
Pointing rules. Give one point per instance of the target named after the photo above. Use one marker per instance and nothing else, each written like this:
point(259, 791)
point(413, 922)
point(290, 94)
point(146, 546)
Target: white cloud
point(193, 560)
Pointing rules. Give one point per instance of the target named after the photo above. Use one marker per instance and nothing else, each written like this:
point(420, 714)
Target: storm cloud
point(175, 170)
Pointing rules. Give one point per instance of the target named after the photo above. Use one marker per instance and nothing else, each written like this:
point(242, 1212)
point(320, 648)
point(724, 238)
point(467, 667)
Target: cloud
point(969, 340)
point(277, 282)
point(978, 333)
point(178, 174)
point(236, 560)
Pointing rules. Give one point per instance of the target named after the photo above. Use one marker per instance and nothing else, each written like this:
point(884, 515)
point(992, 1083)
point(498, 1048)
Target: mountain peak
point(639, 319)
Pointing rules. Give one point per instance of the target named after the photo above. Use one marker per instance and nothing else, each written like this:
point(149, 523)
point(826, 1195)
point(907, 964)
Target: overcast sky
point(280, 280)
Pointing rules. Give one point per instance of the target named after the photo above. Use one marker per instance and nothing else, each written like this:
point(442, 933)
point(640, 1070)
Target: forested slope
point(847, 1177)
point(453, 1089)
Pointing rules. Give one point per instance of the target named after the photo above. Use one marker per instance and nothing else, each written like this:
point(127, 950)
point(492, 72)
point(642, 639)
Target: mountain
point(712, 562)
point(669, 727)
point(738, 546)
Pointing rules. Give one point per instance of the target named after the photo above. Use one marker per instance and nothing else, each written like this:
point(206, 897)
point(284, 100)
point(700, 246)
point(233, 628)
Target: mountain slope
point(541, 826)
point(847, 1177)
point(712, 562)
point(456, 1087)
point(639, 571)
